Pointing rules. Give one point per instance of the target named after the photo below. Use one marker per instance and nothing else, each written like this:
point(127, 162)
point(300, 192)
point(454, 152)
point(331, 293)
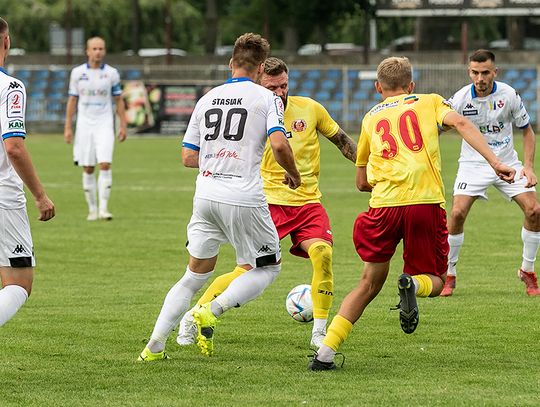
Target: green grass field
point(99, 287)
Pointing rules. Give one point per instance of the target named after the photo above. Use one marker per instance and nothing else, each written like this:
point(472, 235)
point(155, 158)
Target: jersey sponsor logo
point(299, 125)
point(491, 128)
point(83, 77)
point(383, 106)
point(206, 173)
point(94, 92)
point(280, 108)
point(227, 102)
point(16, 125)
point(224, 153)
point(500, 104)
point(469, 110)
point(15, 104)
point(499, 144)
point(19, 249)
point(14, 85)
point(410, 100)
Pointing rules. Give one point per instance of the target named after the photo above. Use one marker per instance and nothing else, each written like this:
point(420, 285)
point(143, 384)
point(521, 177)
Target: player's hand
point(292, 181)
point(68, 135)
point(528, 173)
point(122, 133)
point(505, 172)
point(45, 207)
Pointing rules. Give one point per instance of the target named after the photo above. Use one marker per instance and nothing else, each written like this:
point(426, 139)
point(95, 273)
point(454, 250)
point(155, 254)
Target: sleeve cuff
point(277, 128)
point(14, 134)
point(191, 146)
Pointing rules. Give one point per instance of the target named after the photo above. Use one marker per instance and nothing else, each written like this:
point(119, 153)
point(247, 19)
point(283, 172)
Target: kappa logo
point(19, 249)
point(469, 106)
point(264, 249)
point(14, 85)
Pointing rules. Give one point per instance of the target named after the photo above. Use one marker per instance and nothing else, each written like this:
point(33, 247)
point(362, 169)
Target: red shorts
point(301, 222)
point(378, 231)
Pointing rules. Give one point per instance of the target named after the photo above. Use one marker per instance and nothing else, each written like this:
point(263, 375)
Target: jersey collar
point(241, 79)
point(473, 91)
point(101, 67)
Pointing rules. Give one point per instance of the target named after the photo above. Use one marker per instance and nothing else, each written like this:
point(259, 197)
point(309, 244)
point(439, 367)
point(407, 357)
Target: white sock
point(245, 288)
point(175, 305)
point(104, 186)
point(90, 191)
point(319, 324)
point(416, 285)
point(531, 241)
point(455, 242)
point(12, 298)
point(326, 354)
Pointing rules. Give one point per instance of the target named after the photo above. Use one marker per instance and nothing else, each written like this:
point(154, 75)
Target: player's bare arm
point(361, 180)
point(20, 159)
point(68, 126)
point(472, 135)
point(121, 112)
point(190, 158)
point(345, 144)
point(284, 156)
point(529, 144)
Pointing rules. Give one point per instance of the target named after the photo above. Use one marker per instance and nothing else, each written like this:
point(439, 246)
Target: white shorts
point(250, 230)
point(473, 179)
point(16, 248)
point(93, 144)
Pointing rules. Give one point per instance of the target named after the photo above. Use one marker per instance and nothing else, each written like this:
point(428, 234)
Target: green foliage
point(99, 287)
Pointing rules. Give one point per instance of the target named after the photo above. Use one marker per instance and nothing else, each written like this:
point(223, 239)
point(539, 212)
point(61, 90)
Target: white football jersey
point(493, 115)
point(95, 89)
point(229, 128)
point(12, 110)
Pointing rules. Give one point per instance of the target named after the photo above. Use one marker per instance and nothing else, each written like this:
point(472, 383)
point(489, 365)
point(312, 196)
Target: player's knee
point(321, 249)
point(533, 212)
point(458, 215)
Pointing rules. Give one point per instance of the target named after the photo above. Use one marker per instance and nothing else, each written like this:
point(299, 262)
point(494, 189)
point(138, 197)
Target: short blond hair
point(394, 73)
point(250, 50)
point(89, 40)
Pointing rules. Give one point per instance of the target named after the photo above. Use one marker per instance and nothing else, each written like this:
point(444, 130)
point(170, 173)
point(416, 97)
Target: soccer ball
point(299, 304)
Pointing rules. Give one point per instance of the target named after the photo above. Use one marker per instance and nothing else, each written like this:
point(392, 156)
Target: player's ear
point(378, 87)
point(496, 71)
point(410, 88)
point(230, 63)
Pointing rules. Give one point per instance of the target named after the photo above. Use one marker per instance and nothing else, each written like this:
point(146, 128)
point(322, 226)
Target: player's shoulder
point(109, 68)
point(504, 88)
point(8, 82)
point(79, 68)
point(303, 101)
point(466, 92)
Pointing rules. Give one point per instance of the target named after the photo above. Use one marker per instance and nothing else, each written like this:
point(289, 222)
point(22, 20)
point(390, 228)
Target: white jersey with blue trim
point(493, 115)
point(229, 128)
point(95, 89)
point(12, 124)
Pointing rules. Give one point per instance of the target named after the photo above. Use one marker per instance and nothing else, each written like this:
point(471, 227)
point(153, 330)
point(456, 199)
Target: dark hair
point(274, 66)
point(3, 26)
point(482, 55)
point(250, 50)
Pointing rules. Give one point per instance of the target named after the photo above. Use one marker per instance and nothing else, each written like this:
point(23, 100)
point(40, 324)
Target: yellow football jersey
point(399, 144)
point(304, 117)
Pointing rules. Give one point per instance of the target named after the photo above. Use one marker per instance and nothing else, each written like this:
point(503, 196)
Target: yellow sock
point(425, 285)
point(338, 331)
point(322, 283)
point(219, 285)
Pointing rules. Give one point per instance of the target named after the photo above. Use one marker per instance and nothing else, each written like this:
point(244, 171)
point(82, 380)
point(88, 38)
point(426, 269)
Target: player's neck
point(391, 93)
point(244, 73)
point(485, 93)
point(95, 64)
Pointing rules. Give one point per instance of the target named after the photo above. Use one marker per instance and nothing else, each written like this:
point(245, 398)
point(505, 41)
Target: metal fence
point(346, 91)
